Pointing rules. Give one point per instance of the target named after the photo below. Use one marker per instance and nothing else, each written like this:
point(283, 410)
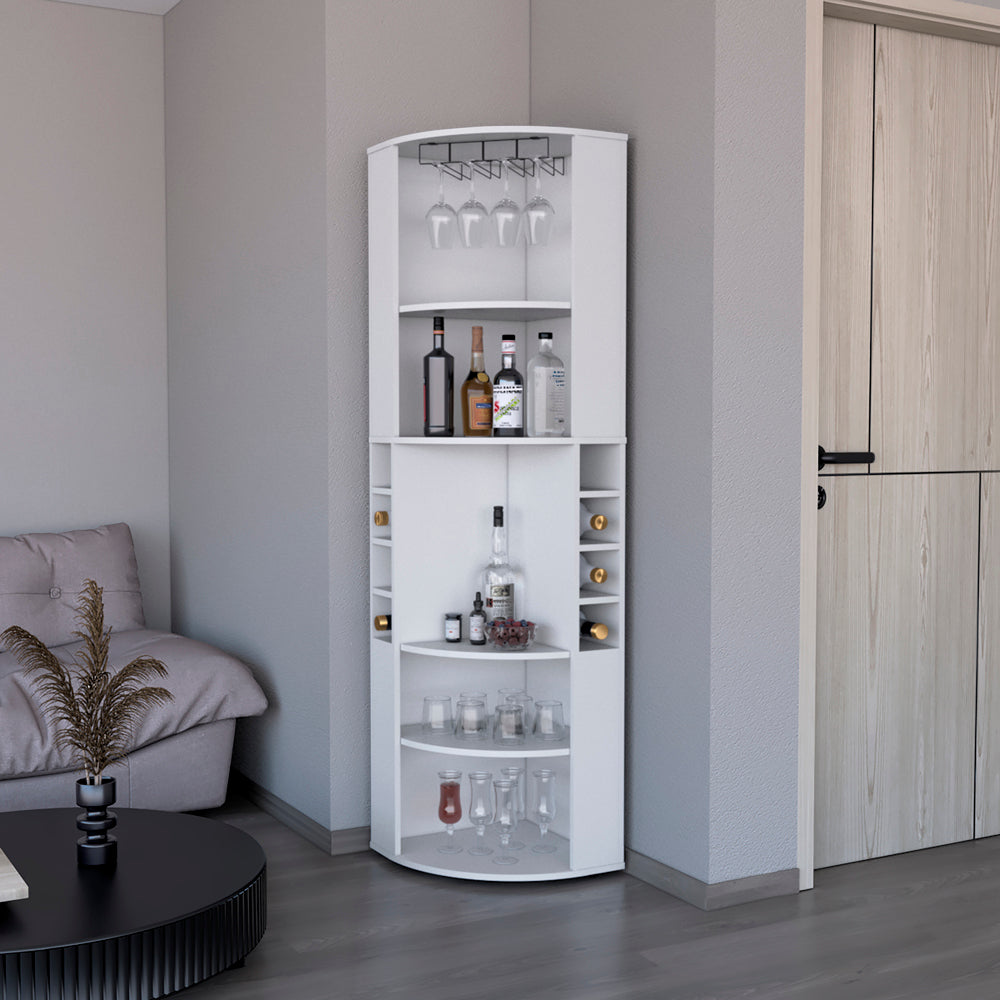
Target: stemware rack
point(486, 157)
point(438, 495)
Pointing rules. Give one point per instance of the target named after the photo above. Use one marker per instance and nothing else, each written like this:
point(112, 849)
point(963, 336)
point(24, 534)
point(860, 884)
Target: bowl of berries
point(510, 633)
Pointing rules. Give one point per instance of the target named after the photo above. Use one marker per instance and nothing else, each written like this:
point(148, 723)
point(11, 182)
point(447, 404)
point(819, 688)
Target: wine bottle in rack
point(590, 521)
point(546, 391)
point(593, 630)
point(381, 518)
point(383, 623)
point(498, 577)
point(591, 574)
point(439, 387)
point(508, 393)
point(477, 393)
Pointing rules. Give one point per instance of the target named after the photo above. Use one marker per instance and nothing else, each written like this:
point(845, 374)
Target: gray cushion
point(42, 575)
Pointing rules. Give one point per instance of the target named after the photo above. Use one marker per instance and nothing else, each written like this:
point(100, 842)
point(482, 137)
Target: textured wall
point(711, 95)
point(246, 232)
point(83, 402)
point(393, 68)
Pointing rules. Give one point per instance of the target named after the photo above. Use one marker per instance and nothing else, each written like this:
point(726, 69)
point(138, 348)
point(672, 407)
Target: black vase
point(97, 847)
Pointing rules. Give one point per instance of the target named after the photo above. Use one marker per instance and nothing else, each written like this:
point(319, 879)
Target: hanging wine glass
point(441, 219)
point(506, 818)
point(537, 215)
point(450, 808)
point(472, 217)
point(506, 213)
point(545, 808)
point(480, 809)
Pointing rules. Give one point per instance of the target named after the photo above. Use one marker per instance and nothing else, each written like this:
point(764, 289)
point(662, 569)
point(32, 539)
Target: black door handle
point(845, 457)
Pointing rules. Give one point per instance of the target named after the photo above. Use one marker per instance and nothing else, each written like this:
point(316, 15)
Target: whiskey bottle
point(546, 392)
point(477, 393)
point(498, 577)
point(439, 387)
point(508, 394)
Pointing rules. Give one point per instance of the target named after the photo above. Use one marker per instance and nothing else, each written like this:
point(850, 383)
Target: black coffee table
point(186, 900)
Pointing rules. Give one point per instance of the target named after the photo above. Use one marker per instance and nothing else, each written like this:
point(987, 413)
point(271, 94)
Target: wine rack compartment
point(432, 502)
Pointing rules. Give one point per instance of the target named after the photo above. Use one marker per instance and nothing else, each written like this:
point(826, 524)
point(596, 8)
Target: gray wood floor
point(916, 926)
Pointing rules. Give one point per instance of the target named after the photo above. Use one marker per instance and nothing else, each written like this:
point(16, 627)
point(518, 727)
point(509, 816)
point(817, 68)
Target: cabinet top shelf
point(409, 144)
point(489, 310)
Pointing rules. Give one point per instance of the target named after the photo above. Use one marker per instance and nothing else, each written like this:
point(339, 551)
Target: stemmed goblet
point(506, 213)
point(480, 809)
point(441, 219)
point(472, 217)
point(506, 818)
point(538, 214)
point(545, 808)
point(516, 774)
point(450, 808)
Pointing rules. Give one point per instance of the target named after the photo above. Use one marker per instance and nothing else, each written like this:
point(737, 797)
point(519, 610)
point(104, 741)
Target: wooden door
point(909, 369)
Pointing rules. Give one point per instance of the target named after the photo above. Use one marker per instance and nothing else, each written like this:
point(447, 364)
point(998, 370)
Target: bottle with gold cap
point(591, 574)
point(591, 521)
point(593, 630)
point(381, 518)
point(383, 623)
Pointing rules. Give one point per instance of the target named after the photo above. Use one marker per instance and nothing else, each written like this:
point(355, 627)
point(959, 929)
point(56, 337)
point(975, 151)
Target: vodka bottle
point(498, 578)
point(508, 394)
point(546, 390)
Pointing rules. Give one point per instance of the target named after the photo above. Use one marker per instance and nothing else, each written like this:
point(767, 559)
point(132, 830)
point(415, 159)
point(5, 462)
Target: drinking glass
point(549, 721)
point(450, 808)
point(506, 214)
point(471, 719)
point(527, 703)
point(516, 774)
point(480, 809)
point(508, 724)
point(545, 808)
point(475, 696)
point(472, 217)
point(506, 818)
point(441, 219)
point(537, 215)
point(437, 715)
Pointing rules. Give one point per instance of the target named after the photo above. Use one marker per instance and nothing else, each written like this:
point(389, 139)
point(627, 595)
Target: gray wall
point(246, 236)
point(711, 95)
point(83, 395)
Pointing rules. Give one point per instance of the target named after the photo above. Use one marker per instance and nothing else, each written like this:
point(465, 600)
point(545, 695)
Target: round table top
point(170, 866)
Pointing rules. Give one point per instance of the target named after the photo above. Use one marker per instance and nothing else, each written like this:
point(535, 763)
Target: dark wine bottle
point(439, 387)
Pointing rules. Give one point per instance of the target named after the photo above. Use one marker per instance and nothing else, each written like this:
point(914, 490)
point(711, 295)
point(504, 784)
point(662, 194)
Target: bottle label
point(481, 412)
point(453, 629)
point(507, 405)
point(549, 391)
point(500, 600)
point(477, 628)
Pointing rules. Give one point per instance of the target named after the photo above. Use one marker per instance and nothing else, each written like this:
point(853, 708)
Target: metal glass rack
point(487, 156)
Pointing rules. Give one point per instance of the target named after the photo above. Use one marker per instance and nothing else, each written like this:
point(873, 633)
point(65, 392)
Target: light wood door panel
point(988, 685)
point(896, 645)
point(935, 306)
point(845, 338)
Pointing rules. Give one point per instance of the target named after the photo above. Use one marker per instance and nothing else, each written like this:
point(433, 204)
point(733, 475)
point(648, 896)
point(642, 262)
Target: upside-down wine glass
point(472, 217)
point(506, 213)
point(441, 219)
point(480, 809)
point(545, 808)
point(537, 215)
point(450, 808)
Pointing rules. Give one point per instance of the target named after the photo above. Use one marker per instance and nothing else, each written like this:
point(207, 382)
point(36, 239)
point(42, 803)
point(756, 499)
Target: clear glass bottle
point(508, 393)
point(439, 387)
point(546, 391)
point(498, 577)
point(477, 393)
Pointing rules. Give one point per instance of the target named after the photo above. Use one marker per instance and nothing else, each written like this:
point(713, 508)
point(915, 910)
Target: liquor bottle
point(591, 522)
point(498, 578)
point(477, 393)
point(477, 622)
point(381, 518)
point(546, 391)
point(439, 387)
point(593, 630)
point(508, 395)
point(591, 574)
point(383, 623)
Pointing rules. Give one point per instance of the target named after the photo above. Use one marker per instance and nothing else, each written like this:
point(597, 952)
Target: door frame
point(948, 18)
